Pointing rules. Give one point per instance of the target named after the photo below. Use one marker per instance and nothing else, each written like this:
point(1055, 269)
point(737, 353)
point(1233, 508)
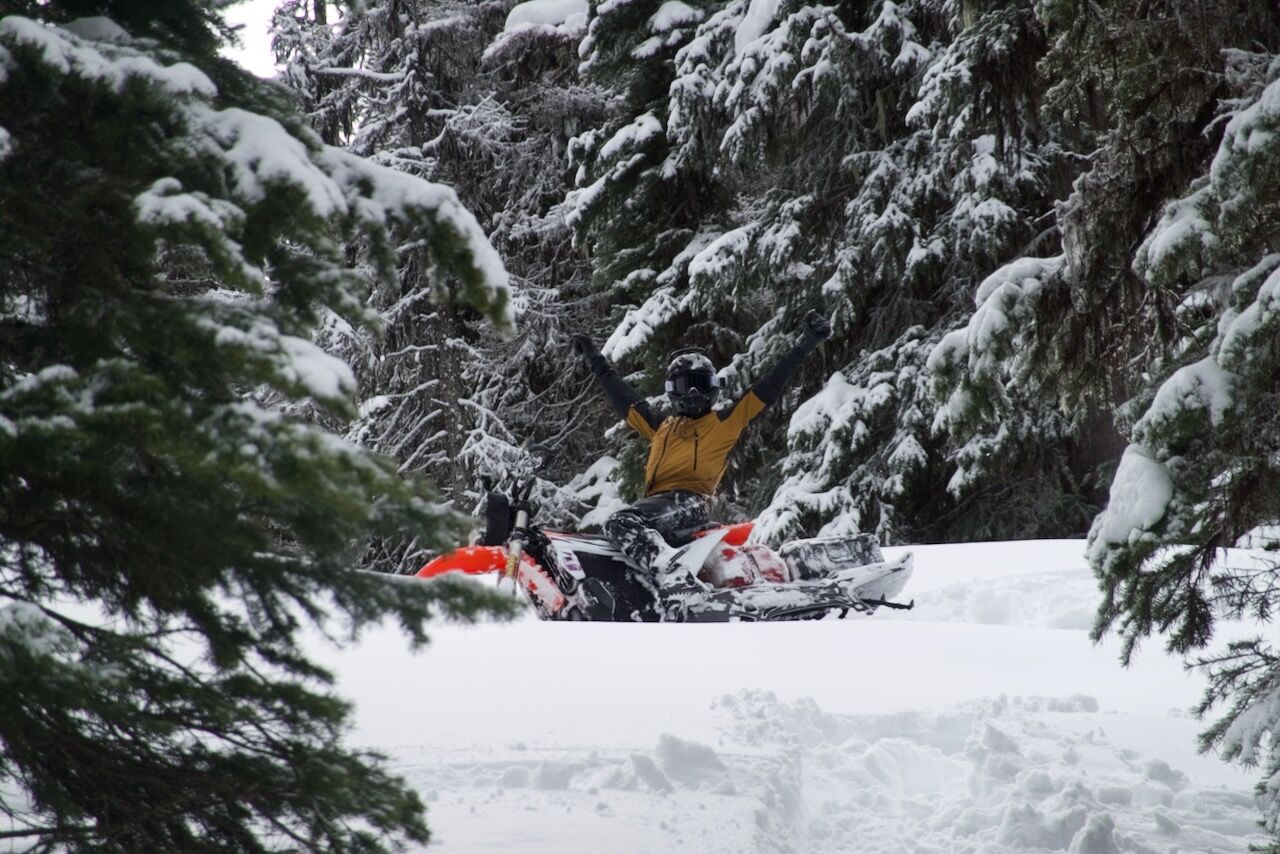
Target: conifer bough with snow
point(170, 236)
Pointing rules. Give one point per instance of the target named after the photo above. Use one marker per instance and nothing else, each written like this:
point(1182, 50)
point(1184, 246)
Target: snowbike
point(573, 576)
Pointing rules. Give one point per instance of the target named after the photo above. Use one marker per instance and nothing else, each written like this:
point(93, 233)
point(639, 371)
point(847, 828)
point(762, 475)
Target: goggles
point(700, 381)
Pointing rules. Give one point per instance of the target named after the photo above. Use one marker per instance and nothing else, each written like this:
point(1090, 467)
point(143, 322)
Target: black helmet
point(692, 384)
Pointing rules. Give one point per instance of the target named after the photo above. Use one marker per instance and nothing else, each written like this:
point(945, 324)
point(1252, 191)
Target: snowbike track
point(985, 721)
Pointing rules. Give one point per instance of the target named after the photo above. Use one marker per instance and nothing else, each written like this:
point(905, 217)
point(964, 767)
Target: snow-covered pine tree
point(486, 100)
point(1176, 321)
point(879, 158)
point(532, 388)
point(312, 63)
point(1101, 321)
point(636, 208)
point(169, 237)
point(784, 98)
point(1082, 327)
point(1203, 463)
point(370, 75)
point(936, 166)
point(641, 214)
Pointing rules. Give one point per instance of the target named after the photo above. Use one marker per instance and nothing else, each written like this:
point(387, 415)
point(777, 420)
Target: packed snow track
point(983, 721)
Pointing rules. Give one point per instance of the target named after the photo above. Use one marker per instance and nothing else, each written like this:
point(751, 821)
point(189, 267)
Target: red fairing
point(737, 534)
point(473, 560)
point(479, 560)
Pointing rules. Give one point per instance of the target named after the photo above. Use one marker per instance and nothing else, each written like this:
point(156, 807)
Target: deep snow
point(985, 721)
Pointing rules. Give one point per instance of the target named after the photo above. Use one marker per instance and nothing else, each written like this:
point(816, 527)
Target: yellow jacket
point(692, 453)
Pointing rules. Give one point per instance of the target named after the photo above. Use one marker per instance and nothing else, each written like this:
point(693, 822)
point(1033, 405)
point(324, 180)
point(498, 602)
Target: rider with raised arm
point(688, 452)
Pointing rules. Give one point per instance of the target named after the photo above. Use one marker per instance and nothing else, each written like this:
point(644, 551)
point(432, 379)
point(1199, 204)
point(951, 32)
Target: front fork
point(515, 544)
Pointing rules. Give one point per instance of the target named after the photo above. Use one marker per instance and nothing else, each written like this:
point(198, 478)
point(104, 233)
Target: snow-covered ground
point(983, 721)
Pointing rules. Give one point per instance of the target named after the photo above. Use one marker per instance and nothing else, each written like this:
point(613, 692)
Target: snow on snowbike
point(572, 576)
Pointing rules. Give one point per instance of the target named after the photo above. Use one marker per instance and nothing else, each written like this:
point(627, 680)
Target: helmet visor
point(700, 381)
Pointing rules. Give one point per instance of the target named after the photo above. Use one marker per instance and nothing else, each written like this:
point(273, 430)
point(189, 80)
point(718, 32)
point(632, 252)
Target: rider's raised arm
point(624, 399)
point(766, 390)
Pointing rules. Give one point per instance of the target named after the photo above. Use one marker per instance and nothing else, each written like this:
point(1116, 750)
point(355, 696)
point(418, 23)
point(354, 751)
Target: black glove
point(816, 327)
point(583, 345)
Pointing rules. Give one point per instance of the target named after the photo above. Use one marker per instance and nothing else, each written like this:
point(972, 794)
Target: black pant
point(638, 530)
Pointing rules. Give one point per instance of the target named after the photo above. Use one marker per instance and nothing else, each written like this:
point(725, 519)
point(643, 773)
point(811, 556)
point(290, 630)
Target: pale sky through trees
point(255, 54)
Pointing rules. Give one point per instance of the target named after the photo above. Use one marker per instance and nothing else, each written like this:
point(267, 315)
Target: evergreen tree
point(454, 93)
point(945, 168)
point(1083, 328)
point(878, 158)
point(1204, 456)
point(641, 214)
point(1170, 325)
point(170, 235)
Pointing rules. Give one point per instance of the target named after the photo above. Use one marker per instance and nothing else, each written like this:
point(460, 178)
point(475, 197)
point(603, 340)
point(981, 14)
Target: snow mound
point(998, 775)
point(1065, 599)
point(1140, 494)
point(96, 28)
point(551, 13)
point(760, 15)
point(538, 21)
